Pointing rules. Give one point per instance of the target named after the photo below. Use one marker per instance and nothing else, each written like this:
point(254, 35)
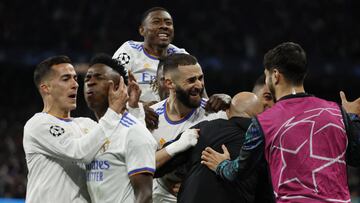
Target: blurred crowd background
point(228, 37)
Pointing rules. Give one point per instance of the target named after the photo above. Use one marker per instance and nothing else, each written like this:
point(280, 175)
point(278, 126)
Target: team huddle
point(159, 138)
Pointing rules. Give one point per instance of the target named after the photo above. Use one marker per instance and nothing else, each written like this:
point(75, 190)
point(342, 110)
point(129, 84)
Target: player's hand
point(134, 91)
point(218, 102)
point(212, 158)
point(117, 97)
point(151, 118)
point(350, 107)
point(188, 139)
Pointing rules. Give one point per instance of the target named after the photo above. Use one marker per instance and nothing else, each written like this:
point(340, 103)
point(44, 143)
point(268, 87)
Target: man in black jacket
point(199, 183)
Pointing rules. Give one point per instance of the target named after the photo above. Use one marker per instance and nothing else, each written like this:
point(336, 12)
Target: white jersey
point(55, 151)
point(133, 57)
point(130, 151)
point(168, 130)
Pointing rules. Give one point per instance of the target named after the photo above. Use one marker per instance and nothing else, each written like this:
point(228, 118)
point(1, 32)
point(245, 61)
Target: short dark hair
point(173, 61)
point(147, 12)
point(260, 81)
point(103, 58)
point(44, 67)
point(290, 59)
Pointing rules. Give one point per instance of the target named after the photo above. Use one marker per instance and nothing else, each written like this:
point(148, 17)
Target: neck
point(175, 109)
point(154, 50)
point(99, 112)
point(55, 111)
point(286, 90)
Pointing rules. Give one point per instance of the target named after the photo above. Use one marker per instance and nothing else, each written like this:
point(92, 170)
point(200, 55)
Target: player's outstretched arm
point(56, 139)
point(142, 185)
point(250, 155)
point(187, 139)
point(212, 158)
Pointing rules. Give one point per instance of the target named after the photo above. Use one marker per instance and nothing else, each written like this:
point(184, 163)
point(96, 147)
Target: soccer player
point(56, 144)
point(181, 110)
point(306, 141)
point(215, 133)
point(123, 169)
point(142, 58)
point(262, 91)
point(158, 84)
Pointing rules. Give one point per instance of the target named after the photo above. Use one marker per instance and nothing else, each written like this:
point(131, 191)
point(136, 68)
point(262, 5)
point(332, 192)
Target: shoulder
point(159, 107)
point(38, 120)
point(84, 120)
point(172, 49)
point(139, 134)
point(127, 51)
point(129, 46)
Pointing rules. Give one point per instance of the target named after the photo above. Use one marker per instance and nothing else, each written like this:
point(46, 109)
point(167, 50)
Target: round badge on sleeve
point(123, 59)
point(56, 130)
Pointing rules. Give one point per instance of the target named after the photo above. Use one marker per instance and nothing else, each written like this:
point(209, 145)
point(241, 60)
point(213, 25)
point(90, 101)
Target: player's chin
point(72, 106)
point(195, 101)
point(164, 43)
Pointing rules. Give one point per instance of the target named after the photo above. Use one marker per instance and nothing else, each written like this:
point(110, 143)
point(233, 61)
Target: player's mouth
point(195, 93)
point(89, 93)
point(163, 36)
point(72, 96)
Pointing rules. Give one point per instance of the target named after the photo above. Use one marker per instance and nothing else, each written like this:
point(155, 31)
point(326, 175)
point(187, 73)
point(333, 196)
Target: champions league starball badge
point(56, 130)
point(123, 59)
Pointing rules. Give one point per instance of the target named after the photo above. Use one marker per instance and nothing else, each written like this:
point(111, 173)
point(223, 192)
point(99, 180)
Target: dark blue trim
point(148, 55)
point(141, 169)
point(128, 118)
point(179, 121)
point(124, 124)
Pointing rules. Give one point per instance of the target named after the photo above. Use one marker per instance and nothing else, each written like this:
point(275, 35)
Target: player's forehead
point(98, 68)
point(190, 69)
point(63, 69)
point(158, 14)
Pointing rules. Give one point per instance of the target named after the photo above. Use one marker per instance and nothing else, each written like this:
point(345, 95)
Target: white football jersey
point(133, 57)
point(130, 151)
point(168, 130)
point(55, 151)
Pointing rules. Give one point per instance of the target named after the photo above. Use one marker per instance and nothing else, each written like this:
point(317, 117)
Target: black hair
point(290, 59)
point(173, 61)
point(260, 81)
point(112, 63)
point(44, 67)
point(147, 12)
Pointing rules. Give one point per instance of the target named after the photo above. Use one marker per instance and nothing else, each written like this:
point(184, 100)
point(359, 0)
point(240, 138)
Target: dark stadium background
point(228, 37)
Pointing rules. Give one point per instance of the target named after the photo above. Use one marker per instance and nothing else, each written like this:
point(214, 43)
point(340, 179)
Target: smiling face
point(188, 85)
point(157, 29)
point(62, 87)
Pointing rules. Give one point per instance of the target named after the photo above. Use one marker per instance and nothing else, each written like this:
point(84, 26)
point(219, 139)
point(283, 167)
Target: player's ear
point(276, 76)
point(141, 30)
point(168, 83)
point(44, 88)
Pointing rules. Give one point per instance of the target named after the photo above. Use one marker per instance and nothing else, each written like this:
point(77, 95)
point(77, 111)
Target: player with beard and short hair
point(306, 141)
point(183, 109)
